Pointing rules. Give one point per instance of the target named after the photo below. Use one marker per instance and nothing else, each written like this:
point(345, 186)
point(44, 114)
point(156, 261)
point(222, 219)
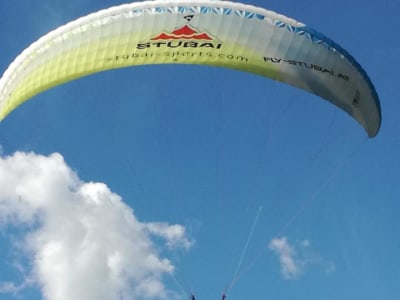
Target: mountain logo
point(183, 33)
point(182, 37)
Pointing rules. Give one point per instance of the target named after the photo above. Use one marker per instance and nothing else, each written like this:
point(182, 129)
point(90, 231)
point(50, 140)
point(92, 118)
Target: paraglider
point(189, 32)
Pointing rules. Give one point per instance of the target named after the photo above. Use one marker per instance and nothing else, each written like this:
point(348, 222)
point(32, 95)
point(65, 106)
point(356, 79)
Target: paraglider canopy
point(209, 32)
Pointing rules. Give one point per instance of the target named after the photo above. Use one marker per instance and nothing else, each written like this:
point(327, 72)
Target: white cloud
point(290, 267)
point(175, 235)
point(83, 241)
point(9, 287)
point(295, 259)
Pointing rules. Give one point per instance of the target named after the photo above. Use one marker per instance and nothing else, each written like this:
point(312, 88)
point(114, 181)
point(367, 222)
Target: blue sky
point(191, 154)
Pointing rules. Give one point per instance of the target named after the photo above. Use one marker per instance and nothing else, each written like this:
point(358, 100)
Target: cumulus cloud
point(82, 240)
point(294, 259)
